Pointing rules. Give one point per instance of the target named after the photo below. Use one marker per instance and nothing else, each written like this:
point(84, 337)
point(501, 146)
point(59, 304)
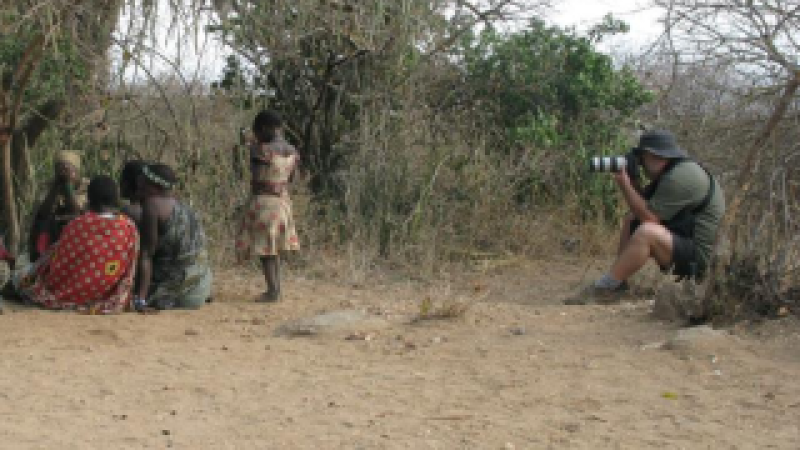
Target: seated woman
point(6, 266)
point(127, 189)
point(173, 264)
point(65, 200)
point(91, 267)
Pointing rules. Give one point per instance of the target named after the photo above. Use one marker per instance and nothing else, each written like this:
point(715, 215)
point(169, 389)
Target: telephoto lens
point(607, 163)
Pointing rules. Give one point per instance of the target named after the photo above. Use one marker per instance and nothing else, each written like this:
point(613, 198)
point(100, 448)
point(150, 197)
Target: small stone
point(191, 332)
point(571, 245)
point(358, 336)
point(694, 338)
point(572, 427)
point(166, 432)
point(652, 346)
point(518, 331)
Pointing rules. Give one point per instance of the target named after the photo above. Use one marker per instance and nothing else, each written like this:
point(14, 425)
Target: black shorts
point(684, 258)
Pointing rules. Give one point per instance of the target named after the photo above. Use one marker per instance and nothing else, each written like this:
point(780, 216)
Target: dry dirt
point(516, 371)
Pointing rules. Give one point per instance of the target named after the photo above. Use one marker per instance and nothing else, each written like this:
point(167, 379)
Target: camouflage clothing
point(181, 273)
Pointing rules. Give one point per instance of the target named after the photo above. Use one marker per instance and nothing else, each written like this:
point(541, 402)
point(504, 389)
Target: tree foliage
point(546, 70)
point(548, 90)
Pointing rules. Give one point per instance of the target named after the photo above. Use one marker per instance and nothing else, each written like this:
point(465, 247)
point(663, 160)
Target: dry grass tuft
point(448, 309)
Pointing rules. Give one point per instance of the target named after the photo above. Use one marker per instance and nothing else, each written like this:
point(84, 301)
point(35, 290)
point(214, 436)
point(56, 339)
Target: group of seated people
point(91, 253)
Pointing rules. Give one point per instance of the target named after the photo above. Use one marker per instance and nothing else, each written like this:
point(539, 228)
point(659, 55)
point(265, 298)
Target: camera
point(613, 163)
point(628, 162)
point(608, 163)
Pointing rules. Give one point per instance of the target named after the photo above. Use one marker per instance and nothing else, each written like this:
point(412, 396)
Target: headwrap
point(70, 157)
point(155, 179)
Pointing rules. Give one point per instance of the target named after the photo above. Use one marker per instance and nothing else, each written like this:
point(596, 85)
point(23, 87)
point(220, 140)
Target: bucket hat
point(661, 143)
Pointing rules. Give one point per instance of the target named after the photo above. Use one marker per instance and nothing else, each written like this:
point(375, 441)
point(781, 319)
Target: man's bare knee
point(658, 238)
point(651, 232)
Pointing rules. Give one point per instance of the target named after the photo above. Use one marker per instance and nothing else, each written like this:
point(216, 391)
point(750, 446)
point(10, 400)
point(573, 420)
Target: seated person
point(127, 189)
point(673, 221)
point(91, 267)
point(6, 266)
point(7, 261)
point(173, 264)
point(65, 200)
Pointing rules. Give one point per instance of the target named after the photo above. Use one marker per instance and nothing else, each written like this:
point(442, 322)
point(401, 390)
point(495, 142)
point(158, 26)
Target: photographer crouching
point(673, 220)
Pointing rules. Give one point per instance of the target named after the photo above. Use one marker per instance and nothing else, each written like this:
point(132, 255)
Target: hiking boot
point(593, 294)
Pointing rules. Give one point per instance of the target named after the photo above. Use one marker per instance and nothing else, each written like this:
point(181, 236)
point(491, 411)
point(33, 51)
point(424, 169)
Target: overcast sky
point(582, 14)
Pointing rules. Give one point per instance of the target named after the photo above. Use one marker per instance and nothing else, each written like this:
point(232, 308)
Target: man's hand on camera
point(622, 178)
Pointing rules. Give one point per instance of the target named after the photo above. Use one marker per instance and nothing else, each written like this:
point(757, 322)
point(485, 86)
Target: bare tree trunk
point(7, 187)
point(25, 138)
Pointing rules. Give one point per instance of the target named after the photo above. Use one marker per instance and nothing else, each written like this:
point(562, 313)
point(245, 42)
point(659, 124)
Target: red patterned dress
point(90, 268)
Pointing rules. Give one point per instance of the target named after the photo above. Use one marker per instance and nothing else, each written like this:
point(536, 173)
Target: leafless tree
point(756, 41)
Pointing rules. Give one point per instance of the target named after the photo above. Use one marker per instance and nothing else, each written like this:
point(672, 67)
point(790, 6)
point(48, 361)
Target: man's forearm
point(637, 204)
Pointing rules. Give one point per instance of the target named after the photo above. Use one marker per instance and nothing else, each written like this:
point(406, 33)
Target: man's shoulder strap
point(709, 194)
point(671, 165)
point(650, 189)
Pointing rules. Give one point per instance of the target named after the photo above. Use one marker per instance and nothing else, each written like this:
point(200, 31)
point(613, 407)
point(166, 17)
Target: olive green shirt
point(685, 186)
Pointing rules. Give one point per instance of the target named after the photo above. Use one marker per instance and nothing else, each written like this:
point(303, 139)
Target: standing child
point(267, 227)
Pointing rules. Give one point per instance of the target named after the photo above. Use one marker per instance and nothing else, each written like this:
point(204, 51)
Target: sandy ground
point(517, 371)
